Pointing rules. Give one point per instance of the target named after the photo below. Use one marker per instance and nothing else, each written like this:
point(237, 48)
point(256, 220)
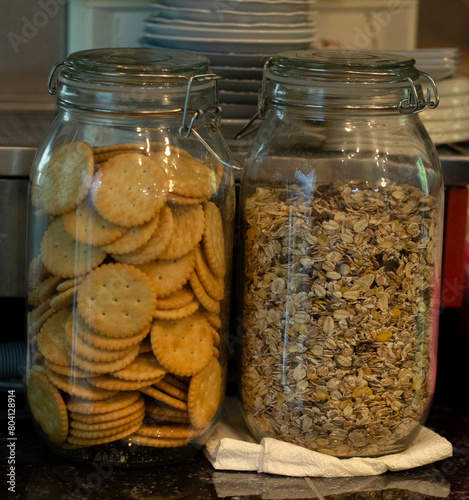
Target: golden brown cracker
point(203, 297)
point(69, 371)
point(63, 299)
point(126, 431)
point(118, 422)
point(65, 257)
point(144, 367)
point(112, 383)
point(129, 189)
point(180, 312)
point(119, 401)
point(187, 232)
point(176, 199)
point(103, 431)
point(110, 416)
point(117, 300)
point(48, 287)
point(177, 299)
point(64, 178)
point(215, 287)
point(76, 326)
point(155, 245)
point(205, 394)
point(106, 367)
point(80, 387)
point(134, 238)
point(171, 390)
point(80, 347)
point(187, 176)
point(214, 239)
point(164, 398)
point(85, 225)
point(213, 319)
point(182, 346)
point(52, 341)
point(47, 406)
point(169, 276)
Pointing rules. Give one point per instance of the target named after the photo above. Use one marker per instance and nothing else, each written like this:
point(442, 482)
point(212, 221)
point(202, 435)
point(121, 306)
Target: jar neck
point(134, 100)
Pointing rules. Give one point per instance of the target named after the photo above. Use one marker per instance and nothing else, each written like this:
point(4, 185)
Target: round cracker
point(85, 426)
point(117, 300)
point(180, 312)
point(63, 299)
point(203, 297)
point(106, 431)
point(213, 319)
point(110, 416)
point(171, 390)
point(47, 406)
point(188, 231)
point(106, 367)
point(134, 238)
point(63, 181)
point(144, 367)
point(76, 326)
point(182, 346)
point(169, 276)
point(214, 240)
point(65, 257)
point(214, 286)
point(90, 352)
point(114, 403)
point(157, 442)
point(129, 189)
point(79, 387)
point(187, 176)
point(205, 394)
point(164, 398)
point(177, 199)
point(85, 225)
point(112, 383)
point(102, 440)
point(155, 245)
point(52, 341)
point(177, 299)
point(69, 371)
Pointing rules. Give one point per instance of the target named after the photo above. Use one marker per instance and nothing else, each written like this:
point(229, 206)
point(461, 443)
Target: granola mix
point(338, 319)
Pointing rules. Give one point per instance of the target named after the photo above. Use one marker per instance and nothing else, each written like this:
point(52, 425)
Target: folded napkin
point(231, 447)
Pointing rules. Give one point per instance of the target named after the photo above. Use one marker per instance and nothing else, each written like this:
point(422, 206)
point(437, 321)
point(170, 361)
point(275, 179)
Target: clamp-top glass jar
point(130, 238)
point(341, 213)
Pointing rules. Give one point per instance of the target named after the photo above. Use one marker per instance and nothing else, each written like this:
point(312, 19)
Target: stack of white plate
point(236, 35)
point(449, 122)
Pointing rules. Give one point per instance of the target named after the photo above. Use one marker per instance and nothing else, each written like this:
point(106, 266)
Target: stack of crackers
point(125, 296)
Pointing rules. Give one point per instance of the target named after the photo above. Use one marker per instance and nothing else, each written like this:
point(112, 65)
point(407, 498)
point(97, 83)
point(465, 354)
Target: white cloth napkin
point(231, 447)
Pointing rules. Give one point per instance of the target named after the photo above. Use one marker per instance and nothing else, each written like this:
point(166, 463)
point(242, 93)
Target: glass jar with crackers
point(341, 212)
point(129, 251)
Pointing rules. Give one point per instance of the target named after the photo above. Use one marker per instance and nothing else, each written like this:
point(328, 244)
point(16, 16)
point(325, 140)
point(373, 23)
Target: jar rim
point(345, 79)
point(342, 62)
point(133, 64)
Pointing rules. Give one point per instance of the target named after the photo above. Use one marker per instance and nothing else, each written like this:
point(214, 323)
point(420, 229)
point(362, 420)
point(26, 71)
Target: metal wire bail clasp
point(414, 103)
point(53, 78)
point(186, 130)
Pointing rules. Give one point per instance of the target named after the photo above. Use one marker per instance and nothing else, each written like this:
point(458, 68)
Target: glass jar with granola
point(341, 214)
point(129, 254)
